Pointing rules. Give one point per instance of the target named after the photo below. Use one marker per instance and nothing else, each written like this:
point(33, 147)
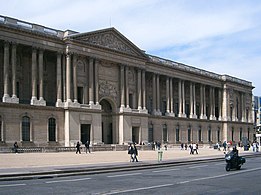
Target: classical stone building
point(58, 87)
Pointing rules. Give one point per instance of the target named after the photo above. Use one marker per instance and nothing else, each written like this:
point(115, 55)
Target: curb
point(111, 168)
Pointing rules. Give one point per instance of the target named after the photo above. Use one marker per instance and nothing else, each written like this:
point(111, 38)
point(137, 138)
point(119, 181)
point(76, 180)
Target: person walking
point(78, 148)
point(135, 153)
point(87, 147)
point(16, 148)
point(130, 152)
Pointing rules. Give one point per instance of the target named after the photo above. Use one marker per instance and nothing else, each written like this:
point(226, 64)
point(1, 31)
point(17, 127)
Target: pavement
point(44, 165)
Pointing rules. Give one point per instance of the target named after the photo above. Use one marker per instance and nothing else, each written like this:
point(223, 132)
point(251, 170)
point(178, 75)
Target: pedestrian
point(78, 148)
point(135, 153)
point(130, 152)
point(182, 146)
point(87, 147)
point(186, 146)
point(191, 149)
point(225, 146)
point(195, 148)
point(16, 148)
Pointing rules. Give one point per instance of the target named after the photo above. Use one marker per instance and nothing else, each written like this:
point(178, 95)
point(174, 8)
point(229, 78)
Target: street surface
point(202, 178)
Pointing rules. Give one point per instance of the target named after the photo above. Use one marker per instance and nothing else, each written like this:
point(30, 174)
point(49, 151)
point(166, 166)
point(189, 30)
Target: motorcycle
point(234, 161)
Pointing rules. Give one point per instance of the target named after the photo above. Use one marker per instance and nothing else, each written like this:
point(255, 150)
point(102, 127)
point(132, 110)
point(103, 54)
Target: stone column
point(219, 105)
point(6, 97)
point(211, 103)
point(64, 76)
point(14, 86)
point(204, 101)
point(194, 100)
point(158, 96)
point(183, 99)
point(191, 101)
point(34, 77)
point(75, 87)
point(91, 85)
point(122, 88)
point(167, 96)
point(171, 97)
point(180, 99)
point(127, 86)
point(243, 107)
point(214, 105)
point(144, 89)
point(96, 83)
point(139, 90)
point(59, 80)
point(40, 62)
point(154, 100)
point(68, 78)
point(225, 105)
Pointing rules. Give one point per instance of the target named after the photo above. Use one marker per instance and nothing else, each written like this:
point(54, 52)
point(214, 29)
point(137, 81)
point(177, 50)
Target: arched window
point(52, 129)
point(25, 128)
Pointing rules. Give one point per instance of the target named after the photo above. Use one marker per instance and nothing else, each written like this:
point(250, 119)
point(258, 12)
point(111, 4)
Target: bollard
point(160, 152)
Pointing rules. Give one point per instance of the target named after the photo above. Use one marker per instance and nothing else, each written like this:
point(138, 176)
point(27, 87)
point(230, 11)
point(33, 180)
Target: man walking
point(87, 147)
point(78, 148)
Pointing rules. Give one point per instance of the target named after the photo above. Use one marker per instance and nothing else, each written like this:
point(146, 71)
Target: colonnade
point(66, 80)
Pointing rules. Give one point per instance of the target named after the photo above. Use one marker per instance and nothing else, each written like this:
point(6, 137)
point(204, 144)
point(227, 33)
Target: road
point(203, 178)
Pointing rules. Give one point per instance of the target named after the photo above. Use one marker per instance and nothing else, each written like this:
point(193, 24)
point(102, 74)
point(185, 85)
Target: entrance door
point(107, 125)
point(135, 134)
point(85, 132)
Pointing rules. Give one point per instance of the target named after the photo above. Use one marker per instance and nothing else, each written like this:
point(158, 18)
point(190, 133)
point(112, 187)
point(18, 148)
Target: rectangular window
point(241, 134)
point(165, 134)
point(25, 128)
point(232, 134)
point(218, 135)
point(209, 135)
point(131, 100)
point(189, 135)
point(80, 95)
point(150, 134)
point(177, 134)
point(199, 135)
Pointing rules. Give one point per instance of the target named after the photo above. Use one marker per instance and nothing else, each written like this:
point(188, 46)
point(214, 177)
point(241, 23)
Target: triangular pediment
point(109, 38)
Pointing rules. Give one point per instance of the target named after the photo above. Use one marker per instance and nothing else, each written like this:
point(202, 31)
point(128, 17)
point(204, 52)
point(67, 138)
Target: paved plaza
point(12, 163)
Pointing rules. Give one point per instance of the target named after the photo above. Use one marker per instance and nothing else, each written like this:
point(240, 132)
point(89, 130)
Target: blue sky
point(222, 36)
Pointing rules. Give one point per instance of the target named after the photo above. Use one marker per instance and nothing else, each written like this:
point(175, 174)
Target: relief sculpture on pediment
point(110, 41)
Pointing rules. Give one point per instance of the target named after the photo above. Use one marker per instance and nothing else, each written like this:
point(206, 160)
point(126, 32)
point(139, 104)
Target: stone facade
point(58, 87)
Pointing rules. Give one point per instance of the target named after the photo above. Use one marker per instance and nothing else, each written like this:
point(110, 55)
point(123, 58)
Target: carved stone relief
point(109, 40)
point(108, 89)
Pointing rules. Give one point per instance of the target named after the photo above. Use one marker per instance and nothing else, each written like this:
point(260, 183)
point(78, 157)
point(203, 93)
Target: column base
point(124, 109)
point(203, 117)
point(71, 104)
point(212, 117)
point(170, 114)
point(59, 103)
point(12, 99)
point(156, 113)
point(143, 111)
point(95, 106)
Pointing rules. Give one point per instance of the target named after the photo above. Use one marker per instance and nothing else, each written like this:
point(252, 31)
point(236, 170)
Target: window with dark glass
point(189, 134)
point(199, 135)
point(25, 128)
point(209, 134)
point(165, 133)
point(150, 133)
point(177, 134)
point(52, 129)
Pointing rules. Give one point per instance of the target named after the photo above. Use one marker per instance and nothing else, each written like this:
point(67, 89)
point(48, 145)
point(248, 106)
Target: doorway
point(85, 132)
point(107, 122)
point(136, 135)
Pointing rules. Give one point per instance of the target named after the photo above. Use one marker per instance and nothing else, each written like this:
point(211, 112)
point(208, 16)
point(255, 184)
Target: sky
point(220, 36)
